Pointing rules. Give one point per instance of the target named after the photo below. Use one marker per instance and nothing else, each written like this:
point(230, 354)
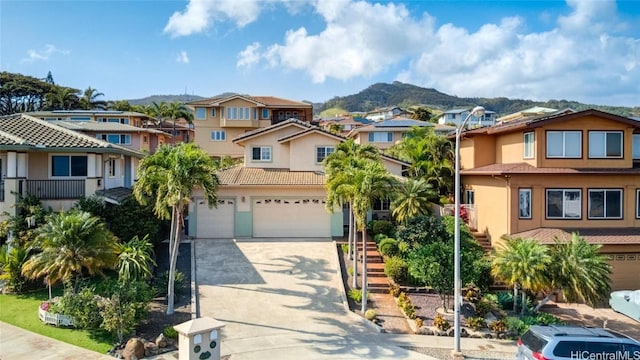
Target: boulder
point(151, 349)
point(134, 349)
point(161, 341)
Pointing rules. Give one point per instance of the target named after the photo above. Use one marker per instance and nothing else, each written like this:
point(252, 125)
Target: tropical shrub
point(170, 332)
point(505, 300)
point(422, 230)
point(498, 326)
point(396, 269)
point(381, 227)
point(370, 314)
point(350, 270)
point(83, 307)
point(127, 304)
point(394, 290)
point(11, 261)
point(441, 323)
point(516, 325)
point(483, 307)
point(356, 295)
point(388, 247)
point(476, 323)
point(409, 309)
point(379, 237)
point(472, 294)
point(345, 248)
point(419, 322)
point(180, 282)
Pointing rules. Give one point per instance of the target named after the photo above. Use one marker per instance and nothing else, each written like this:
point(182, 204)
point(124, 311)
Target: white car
point(626, 302)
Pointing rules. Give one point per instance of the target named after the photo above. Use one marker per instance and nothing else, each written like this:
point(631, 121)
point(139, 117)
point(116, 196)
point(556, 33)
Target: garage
point(291, 217)
point(215, 222)
point(624, 271)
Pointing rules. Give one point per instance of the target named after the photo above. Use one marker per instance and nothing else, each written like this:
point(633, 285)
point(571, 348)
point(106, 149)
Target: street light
point(478, 112)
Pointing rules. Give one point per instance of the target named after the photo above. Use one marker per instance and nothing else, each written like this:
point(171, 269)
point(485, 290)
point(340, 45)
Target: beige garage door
point(290, 217)
point(625, 271)
point(215, 222)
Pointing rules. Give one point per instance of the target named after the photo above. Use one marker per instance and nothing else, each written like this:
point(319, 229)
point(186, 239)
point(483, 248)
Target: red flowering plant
point(45, 305)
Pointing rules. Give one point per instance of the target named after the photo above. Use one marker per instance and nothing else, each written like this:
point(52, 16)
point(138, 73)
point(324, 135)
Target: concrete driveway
point(282, 300)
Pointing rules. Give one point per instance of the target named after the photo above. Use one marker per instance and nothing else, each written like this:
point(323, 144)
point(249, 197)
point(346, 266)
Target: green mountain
point(405, 95)
point(166, 98)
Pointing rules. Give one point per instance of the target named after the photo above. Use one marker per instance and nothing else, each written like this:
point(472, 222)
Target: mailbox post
point(199, 339)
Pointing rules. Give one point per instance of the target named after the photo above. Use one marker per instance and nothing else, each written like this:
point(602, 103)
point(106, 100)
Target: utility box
point(199, 339)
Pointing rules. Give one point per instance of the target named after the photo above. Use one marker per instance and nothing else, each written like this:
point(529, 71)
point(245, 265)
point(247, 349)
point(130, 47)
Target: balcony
point(239, 123)
point(467, 213)
point(54, 189)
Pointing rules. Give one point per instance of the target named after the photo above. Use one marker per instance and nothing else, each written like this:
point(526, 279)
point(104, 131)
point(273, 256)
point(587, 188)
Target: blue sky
point(581, 50)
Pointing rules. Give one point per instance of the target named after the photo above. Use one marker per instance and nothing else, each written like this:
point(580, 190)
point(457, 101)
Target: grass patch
point(22, 311)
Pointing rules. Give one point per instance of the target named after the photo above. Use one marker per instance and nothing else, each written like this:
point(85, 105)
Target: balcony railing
point(467, 213)
point(55, 189)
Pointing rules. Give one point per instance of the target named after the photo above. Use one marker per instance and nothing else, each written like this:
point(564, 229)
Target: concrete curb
point(343, 295)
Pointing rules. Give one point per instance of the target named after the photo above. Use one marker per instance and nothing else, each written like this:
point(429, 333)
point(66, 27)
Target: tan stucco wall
point(279, 152)
point(39, 168)
point(392, 166)
point(492, 204)
point(219, 148)
point(476, 151)
point(510, 148)
point(303, 151)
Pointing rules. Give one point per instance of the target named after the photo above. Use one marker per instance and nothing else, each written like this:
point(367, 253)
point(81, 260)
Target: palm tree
point(71, 243)
point(412, 199)
point(522, 262)
point(172, 111)
point(578, 271)
point(135, 258)
point(89, 99)
point(62, 98)
point(372, 182)
point(346, 156)
point(120, 105)
point(167, 178)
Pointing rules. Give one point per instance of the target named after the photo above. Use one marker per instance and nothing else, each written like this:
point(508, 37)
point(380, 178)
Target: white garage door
point(291, 217)
point(215, 222)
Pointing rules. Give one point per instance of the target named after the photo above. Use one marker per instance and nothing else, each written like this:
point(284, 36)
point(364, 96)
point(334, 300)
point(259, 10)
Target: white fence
point(449, 209)
point(54, 319)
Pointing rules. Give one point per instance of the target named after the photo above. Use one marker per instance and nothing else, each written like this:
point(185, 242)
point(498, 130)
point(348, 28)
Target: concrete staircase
point(483, 240)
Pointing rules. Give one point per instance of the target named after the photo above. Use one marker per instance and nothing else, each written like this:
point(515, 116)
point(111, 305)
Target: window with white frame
point(219, 135)
point(564, 203)
point(112, 168)
point(605, 144)
point(564, 144)
point(265, 113)
point(201, 113)
point(605, 204)
point(261, 153)
point(322, 152)
point(122, 139)
point(238, 113)
point(68, 165)
point(213, 112)
point(255, 113)
point(470, 196)
point(380, 137)
point(524, 203)
point(528, 145)
point(637, 203)
point(636, 146)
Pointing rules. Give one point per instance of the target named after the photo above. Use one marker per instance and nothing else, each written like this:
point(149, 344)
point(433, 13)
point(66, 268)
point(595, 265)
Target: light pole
point(477, 111)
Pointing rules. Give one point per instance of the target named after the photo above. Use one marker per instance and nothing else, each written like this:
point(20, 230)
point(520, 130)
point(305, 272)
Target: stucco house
point(279, 191)
point(219, 120)
point(455, 117)
point(385, 134)
point(384, 113)
point(548, 176)
point(58, 165)
point(108, 116)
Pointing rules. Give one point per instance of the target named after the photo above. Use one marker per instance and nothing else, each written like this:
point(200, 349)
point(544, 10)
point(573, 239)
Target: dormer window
point(261, 153)
point(322, 152)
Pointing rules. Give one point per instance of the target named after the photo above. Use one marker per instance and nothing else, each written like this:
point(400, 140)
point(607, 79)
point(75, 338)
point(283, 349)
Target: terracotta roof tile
point(270, 101)
point(604, 236)
point(240, 175)
point(525, 168)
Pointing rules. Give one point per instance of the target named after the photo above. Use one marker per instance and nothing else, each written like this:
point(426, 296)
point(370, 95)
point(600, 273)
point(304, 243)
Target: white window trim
point(195, 114)
point(531, 145)
point(564, 142)
point(470, 193)
point(604, 156)
point(605, 217)
point(563, 217)
point(325, 147)
point(222, 138)
point(386, 141)
point(522, 191)
point(270, 159)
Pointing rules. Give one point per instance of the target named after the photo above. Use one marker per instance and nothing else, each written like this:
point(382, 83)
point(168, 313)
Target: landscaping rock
point(161, 341)
point(464, 333)
point(134, 349)
point(425, 331)
point(487, 336)
point(151, 349)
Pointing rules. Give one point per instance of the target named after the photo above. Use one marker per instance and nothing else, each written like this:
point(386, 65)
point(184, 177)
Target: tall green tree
point(89, 100)
point(522, 263)
point(120, 105)
point(62, 98)
point(578, 271)
point(21, 93)
point(167, 179)
point(70, 244)
point(169, 111)
point(412, 198)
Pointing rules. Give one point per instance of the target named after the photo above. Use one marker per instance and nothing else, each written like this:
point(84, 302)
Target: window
point(80, 118)
point(218, 135)
point(213, 112)
point(295, 115)
point(380, 137)
point(381, 205)
point(145, 139)
point(238, 113)
point(65, 165)
point(528, 145)
point(322, 152)
point(638, 204)
point(265, 113)
point(261, 153)
point(605, 144)
point(255, 113)
point(524, 203)
point(470, 195)
point(124, 139)
point(564, 203)
point(201, 113)
point(112, 168)
point(564, 144)
point(280, 115)
point(636, 146)
point(605, 204)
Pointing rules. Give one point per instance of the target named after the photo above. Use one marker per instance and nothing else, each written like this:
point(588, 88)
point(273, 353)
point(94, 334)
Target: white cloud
point(249, 56)
point(182, 57)
point(44, 54)
point(199, 15)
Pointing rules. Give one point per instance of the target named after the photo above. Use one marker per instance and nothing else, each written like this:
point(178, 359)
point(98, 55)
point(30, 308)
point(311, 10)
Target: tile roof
point(525, 168)
point(115, 195)
point(240, 175)
point(604, 236)
point(101, 126)
point(105, 113)
point(24, 132)
point(401, 122)
point(269, 101)
point(252, 133)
